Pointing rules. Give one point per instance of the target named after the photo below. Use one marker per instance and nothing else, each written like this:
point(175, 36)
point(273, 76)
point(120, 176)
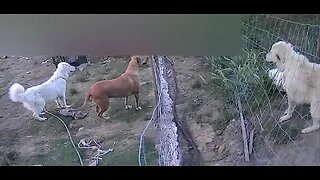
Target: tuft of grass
point(128, 156)
point(73, 91)
point(196, 84)
point(76, 100)
point(199, 118)
point(83, 76)
point(61, 153)
point(281, 133)
point(106, 70)
point(228, 114)
point(244, 77)
point(117, 109)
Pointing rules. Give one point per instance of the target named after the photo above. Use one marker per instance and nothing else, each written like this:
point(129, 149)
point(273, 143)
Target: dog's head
point(64, 69)
point(137, 60)
point(278, 53)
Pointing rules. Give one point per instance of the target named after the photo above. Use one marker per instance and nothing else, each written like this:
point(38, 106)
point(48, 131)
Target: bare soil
point(26, 141)
point(200, 106)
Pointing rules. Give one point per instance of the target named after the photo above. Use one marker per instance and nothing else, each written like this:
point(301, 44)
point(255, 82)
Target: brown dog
point(123, 86)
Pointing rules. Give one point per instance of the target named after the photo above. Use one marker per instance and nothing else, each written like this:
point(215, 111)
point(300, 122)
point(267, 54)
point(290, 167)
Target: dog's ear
point(63, 70)
point(138, 60)
point(280, 57)
point(144, 61)
point(281, 52)
point(71, 68)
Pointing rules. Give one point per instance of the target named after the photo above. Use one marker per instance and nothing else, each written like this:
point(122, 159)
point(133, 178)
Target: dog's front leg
point(63, 99)
point(288, 113)
point(38, 108)
point(58, 103)
point(38, 117)
point(314, 126)
point(137, 102)
point(126, 103)
point(315, 114)
point(44, 109)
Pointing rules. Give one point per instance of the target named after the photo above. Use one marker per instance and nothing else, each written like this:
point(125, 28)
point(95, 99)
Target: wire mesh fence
point(246, 80)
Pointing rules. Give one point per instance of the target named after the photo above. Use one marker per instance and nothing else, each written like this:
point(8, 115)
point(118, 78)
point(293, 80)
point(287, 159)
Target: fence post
point(318, 43)
point(169, 152)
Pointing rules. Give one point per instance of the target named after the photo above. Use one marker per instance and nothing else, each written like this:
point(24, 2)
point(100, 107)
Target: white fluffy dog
point(35, 98)
point(301, 81)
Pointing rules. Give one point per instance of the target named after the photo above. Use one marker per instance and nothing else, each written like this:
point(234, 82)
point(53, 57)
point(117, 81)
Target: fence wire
point(246, 78)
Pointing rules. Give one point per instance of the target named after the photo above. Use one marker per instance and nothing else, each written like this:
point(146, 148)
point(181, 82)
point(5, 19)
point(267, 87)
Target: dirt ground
point(203, 110)
point(219, 137)
point(283, 144)
point(26, 141)
point(201, 107)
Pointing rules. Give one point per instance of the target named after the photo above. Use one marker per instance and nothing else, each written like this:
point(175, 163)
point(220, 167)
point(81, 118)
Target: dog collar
point(63, 78)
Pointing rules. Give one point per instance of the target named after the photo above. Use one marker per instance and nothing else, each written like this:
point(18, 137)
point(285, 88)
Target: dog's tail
point(86, 99)
point(16, 92)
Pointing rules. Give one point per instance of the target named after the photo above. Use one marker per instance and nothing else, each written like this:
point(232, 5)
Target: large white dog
point(35, 98)
point(301, 81)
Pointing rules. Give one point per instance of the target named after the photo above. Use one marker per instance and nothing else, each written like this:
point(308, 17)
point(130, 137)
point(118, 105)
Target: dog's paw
point(59, 107)
point(128, 106)
point(284, 118)
point(42, 119)
point(138, 108)
point(106, 117)
point(304, 131)
point(309, 129)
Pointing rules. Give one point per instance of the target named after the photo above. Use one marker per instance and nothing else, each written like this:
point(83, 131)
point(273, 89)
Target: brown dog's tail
point(86, 99)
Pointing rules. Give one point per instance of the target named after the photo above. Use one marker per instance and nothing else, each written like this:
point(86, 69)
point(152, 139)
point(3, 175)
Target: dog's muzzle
point(270, 58)
point(74, 68)
point(73, 71)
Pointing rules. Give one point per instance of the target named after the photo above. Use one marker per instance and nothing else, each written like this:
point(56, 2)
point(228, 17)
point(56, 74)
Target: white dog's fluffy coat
point(301, 80)
point(35, 98)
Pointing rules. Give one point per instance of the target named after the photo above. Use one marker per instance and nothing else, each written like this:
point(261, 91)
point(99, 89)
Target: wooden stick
point(318, 46)
point(251, 141)
point(244, 134)
point(203, 79)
